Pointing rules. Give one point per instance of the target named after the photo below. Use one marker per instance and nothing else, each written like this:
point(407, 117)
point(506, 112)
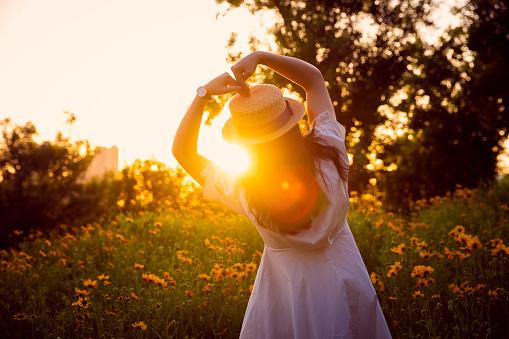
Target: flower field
point(441, 272)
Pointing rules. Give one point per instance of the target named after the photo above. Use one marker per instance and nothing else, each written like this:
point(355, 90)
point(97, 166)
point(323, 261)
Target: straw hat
point(263, 116)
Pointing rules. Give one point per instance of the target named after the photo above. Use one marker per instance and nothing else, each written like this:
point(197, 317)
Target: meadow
point(440, 271)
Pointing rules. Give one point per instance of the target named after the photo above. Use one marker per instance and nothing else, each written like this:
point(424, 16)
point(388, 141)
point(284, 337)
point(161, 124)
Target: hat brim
point(230, 134)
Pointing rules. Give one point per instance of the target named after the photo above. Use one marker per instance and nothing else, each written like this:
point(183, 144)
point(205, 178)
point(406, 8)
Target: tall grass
point(441, 272)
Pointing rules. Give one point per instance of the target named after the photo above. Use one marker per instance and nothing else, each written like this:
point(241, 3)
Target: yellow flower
point(81, 303)
point(394, 269)
point(129, 220)
point(20, 316)
point(207, 288)
point(138, 266)
point(425, 255)
point(421, 270)
point(373, 277)
point(110, 313)
point(103, 277)
point(251, 267)
point(204, 276)
point(499, 250)
point(456, 290)
point(456, 230)
point(494, 294)
point(417, 294)
point(81, 292)
point(139, 326)
point(90, 283)
point(399, 249)
point(158, 224)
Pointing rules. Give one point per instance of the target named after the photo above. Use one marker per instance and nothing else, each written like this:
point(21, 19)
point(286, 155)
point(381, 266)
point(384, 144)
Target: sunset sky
point(126, 69)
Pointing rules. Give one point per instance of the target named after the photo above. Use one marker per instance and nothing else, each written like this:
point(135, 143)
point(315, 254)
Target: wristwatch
point(203, 93)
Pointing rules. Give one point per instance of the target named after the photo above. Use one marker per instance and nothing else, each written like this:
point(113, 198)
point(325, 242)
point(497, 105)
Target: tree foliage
point(149, 184)
point(42, 185)
point(421, 117)
point(39, 182)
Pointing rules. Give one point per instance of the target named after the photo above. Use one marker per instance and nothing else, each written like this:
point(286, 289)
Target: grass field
point(441, 272)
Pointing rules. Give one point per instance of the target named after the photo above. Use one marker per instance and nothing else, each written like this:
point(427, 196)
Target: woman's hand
point(222, 84)
point(243, 69)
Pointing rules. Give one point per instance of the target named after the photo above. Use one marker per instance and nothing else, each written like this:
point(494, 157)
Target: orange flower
point(456, 290)
point(139, 326)
point(399, 249)
point(81, 292)
point(129, 220)
point(81, 303)
point(138, 266)
point(394, 269)
point(494, 294)
point(103, 277)
point(90, 283)
point(251, 267)
point(393, 298)
point(223, 331)
point(189, 293)
point(499, 250)
point(456, 230)
point(204, 276)
point(417, 294)
point(425, 255)
point(20, 316)
point(134, 296)
point(207, 288)
point(158, 224)
point(421, 271)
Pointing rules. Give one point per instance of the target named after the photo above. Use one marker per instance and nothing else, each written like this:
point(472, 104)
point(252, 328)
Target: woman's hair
point(281, 187)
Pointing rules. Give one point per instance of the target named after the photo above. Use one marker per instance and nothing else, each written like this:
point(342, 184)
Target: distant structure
point(105, 160)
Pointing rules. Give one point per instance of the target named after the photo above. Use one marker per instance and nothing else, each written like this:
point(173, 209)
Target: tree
point(364, 50)
point(421, 117)
point(149, 184)
point(457, 108)
point(38, 182)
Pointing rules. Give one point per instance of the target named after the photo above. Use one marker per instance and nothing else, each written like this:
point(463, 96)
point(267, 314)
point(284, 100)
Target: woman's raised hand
point(243, 69)
point(222, 84)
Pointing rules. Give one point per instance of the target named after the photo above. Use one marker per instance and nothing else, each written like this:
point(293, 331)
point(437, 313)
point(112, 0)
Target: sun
point(231, 158)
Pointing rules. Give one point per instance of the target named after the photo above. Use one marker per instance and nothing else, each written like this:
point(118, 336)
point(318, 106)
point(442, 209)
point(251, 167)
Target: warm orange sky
point(126, 69)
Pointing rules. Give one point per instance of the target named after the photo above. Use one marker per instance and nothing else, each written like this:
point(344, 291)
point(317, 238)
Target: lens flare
point(293, 196)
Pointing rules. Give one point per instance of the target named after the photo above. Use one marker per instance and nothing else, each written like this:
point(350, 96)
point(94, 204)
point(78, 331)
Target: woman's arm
point(185, 143)
point(300, 72)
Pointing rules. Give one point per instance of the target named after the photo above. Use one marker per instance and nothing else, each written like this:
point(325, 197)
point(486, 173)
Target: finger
point(230, 81)
point(238, 72)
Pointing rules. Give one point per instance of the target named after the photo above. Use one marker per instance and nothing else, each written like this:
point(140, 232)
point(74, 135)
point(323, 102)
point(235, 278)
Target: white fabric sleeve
point(220, 186)
point(332, 132)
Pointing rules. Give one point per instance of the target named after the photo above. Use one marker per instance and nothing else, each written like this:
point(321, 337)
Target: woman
point(312, 282)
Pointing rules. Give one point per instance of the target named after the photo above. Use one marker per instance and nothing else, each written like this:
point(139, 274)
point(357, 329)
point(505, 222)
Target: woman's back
point(312, 284)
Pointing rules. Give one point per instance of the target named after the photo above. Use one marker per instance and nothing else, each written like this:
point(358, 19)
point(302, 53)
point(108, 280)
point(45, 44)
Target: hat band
point(267, 128)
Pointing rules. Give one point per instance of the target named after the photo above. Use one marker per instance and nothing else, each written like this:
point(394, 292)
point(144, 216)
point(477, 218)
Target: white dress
point(313, 284)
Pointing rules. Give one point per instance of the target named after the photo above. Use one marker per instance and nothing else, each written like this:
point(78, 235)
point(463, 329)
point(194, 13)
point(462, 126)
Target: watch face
point(202, 91)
